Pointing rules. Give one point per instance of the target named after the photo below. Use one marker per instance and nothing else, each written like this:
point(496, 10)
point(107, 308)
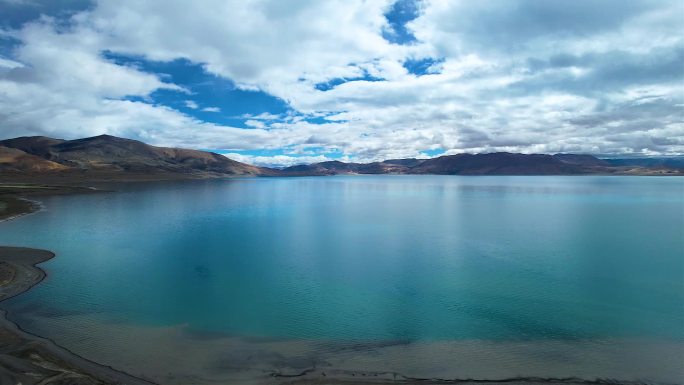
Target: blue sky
point(209, 97)
point(280, 83)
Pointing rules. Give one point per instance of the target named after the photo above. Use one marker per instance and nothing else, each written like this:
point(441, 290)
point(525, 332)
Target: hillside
point(669, 162)
point(501, 163)
point(105, 158)
point(15, 160)
point(111, 157)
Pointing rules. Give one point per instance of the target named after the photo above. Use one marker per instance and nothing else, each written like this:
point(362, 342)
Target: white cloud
point(265, 44)
point(262, 116)
point(277, 160)
point(9, 64)
point(255, 123)
point(518, 76)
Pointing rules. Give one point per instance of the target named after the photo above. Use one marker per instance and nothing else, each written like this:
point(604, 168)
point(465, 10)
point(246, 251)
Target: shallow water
point(376, 261)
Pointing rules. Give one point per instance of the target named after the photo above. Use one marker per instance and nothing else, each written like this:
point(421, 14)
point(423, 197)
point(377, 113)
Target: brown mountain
point(35, 145)
point(500, 163)
point(110, 157)
point(581, 159)
point(672, 162)
point(408, 162)
point(107, 157)
point(335, 167)
point(463, 164)
point(15, 160)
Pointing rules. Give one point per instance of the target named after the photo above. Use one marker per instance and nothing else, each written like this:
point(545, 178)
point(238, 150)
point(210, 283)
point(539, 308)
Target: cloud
point(9, 64)
point(17, 12)
point(277, 160)
point(524, 27)
point(60, 88)
point(520, 75)
point(315, 40)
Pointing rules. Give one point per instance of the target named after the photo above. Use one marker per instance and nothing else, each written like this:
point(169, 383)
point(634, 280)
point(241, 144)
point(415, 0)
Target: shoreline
point(59, 365)
point(35, 207)
point(37, 359)
point(26, 358)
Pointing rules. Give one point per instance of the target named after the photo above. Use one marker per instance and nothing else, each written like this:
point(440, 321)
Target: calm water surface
point(367, 258)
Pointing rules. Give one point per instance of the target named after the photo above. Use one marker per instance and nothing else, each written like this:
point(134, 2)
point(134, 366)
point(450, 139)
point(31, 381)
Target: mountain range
point(108, 157)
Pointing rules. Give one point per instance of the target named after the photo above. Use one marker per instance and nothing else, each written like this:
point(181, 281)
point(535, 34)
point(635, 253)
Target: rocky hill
point(107, 156)
point(499, 163)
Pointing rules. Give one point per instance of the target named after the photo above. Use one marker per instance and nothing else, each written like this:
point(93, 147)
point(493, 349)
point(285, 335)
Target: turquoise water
point(373, 257)
point(370, 258)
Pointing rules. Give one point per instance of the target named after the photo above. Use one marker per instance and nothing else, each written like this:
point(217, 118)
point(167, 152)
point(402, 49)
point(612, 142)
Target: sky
point(277, 83)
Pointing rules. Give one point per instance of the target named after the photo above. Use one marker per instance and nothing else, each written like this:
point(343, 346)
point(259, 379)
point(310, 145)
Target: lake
point(426, 276)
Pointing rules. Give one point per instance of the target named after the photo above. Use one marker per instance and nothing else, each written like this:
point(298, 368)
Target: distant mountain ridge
point(498, 163)
point(12, 158)
point(106, 157)
point(671, 162)
point(109, 155)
